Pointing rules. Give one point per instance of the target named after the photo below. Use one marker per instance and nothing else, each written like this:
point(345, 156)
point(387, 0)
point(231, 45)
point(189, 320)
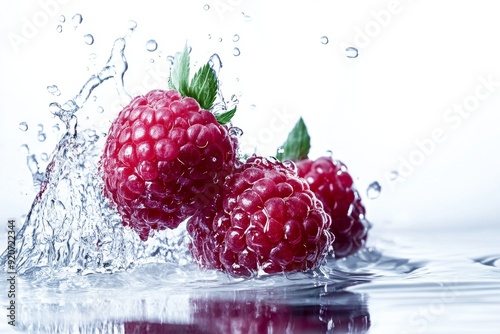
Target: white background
point(417, 59)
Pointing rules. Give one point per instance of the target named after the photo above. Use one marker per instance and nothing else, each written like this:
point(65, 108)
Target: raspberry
point(268, 220)
point(332, 184)
point(164, 158)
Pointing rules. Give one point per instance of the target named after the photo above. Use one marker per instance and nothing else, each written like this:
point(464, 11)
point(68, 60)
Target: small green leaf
point(204, 87)
point(179, 76)
point(226, 117)
point(297, 144)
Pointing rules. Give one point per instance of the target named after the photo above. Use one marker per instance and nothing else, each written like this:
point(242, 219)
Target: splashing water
point(70, 227)
point(373, 190)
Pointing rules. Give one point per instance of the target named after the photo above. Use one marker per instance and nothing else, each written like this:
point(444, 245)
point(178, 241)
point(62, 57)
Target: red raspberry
point(332, 184)
point(164, 158)
point(269, 219)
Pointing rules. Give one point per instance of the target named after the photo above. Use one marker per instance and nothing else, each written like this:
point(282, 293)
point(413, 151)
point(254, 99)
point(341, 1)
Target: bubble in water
point(100, 110)
point(77, 20)
point(23, 126)
point(54, 90)
point(373, 190)
point(88, 39)
point(59, 28)
point(235, 132)
point(236, 38)
point(236, 52)
point(351, 52)
point(44, 156)
point(206, 7)
point(324, 40)
point(151, 45)
point(132, 25)
point(41, 137)
point(62, 18)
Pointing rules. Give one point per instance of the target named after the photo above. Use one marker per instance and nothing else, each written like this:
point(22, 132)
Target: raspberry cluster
point(268, 220)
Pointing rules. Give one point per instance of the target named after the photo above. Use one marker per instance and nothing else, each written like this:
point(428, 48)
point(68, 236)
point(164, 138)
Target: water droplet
point(44, 157)
point(132, 25)
point(56, 128)
point(151, 45)
point(235, 132)
point(209, 36)
point(54, 90)
point(289, 164)
point(62, 18)
point(236, 38)
point(393, 175)
point(88, 39)
point(59, 28)
point(170, 60)
point(40, 127)
point(246, 17)
point(323, 40)
point(281, 150)
point(220, 39)
point(151, 60)
point(236, 52)
point(41, 137)
point(206, 7)
point(234, 98)
point(253, 107)
point(373, 190)
point(24, 149)
point(100, 110)
point(351, 52)
point(77, 20)
point(23, 126)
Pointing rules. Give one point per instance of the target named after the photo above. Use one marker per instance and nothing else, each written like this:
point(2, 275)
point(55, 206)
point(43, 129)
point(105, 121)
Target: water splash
point(54, 90)
point(71, 227)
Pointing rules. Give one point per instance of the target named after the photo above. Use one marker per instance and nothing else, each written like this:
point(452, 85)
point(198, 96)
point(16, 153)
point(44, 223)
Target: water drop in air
point(220, 39)
point(62, 18)
point(236, 52)
point(44, 157)
point(59, 28)
point(323, 40)
point(40, 127)
point(351, 52)
point(77, 20)
point(54, 90)
point(56, 128)
point(41, 137)
point(23, 126)
point(88, 39)
point(151, 45)
point(236, 38)
point(246, 17)
point(206, 7)
point(24, 149)
point(281, 150)
point(100, 110)
point(373, 190)
point(132, 25)
point(393, 175)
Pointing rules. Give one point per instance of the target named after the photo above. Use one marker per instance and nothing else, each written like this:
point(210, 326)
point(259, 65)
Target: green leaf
point(297, 144)
point(179, 76)
point(204, 87)
point(226, 117)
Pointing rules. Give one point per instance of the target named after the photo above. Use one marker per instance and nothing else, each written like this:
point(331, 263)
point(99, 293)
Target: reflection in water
point(337, 312)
